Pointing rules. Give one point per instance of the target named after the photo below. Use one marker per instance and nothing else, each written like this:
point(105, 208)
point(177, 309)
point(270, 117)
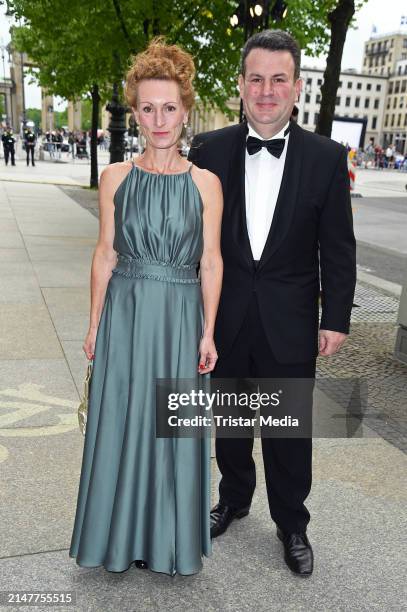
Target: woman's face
point(160, 112)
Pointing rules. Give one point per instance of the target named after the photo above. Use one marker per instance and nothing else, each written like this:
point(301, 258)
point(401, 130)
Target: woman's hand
point(89, 344)
point(207, 355)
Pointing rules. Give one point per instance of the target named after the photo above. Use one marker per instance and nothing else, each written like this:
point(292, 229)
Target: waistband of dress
point(155, 270)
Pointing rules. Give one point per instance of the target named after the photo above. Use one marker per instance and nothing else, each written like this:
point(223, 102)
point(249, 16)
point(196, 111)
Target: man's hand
point(330, 342)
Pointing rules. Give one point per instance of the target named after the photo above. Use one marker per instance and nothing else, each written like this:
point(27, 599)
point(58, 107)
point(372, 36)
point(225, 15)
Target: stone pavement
point(373, 182)
point(58, 172)
point(368, 355)
point(358, 498)
point(383, 226)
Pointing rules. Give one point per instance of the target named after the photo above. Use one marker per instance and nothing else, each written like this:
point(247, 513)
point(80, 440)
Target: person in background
point(390, 156)
point(71, 142)
point(9, 141)
point(29, 142)
point(51, 138)
point(59, 139)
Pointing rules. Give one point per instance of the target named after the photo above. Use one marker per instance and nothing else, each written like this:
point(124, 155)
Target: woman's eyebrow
point(152, 103)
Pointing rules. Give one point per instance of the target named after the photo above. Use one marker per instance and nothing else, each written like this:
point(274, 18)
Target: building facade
point(378, 94)
point(359, 96)
point(205, 120)
point(395, 114)
point(383, 51)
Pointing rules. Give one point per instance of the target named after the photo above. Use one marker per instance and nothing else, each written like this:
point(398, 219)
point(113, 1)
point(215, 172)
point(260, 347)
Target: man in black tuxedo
point(287, 225)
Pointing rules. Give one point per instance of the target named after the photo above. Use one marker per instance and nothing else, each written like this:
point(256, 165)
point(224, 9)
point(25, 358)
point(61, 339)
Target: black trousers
point(9, 152)
point(288, 461)
point(30, 151)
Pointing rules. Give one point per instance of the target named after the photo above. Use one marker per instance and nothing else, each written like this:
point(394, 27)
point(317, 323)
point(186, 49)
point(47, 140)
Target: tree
point(87, 49)
point(86, 115)
point(61, 118)
point(33, 114)
point(84, 50)
point(339, 18)
point(2, 107)
point(71, 52)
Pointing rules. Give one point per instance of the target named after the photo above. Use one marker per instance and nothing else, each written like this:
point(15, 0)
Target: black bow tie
point(275, 146)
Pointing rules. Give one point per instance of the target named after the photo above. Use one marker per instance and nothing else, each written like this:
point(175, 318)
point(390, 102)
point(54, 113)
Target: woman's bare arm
point(211, 264)
point(104, 256)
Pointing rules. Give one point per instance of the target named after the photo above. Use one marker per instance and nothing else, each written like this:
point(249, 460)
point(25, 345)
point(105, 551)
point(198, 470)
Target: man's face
point(268, 89)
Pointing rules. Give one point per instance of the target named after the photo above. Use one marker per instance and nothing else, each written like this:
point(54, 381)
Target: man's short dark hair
point(273, 40)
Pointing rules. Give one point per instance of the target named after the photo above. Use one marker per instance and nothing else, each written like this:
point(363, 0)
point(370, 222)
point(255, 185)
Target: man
point(30, 140)
point(59, 139)
point(52, 139)
point(8, 146)
point(287, 211)
point(71, 142)
point(390, 155)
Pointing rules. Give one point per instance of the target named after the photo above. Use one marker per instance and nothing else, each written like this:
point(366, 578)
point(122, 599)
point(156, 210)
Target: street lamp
point(9, 117)
point(24, 119)
point(117, 126)
point(3, 49)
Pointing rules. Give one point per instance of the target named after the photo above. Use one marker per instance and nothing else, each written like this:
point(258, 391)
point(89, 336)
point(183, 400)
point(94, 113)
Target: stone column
point(74, 115)
point(47, 112)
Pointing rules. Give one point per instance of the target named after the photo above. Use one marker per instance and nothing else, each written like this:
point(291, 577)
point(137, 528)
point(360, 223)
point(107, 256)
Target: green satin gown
point(142, 497)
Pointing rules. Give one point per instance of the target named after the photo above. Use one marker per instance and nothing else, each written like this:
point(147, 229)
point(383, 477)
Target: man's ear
point(240, 83)
point(298, 87)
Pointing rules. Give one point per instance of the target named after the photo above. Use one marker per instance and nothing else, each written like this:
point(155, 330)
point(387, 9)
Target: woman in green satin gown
point(142, 498)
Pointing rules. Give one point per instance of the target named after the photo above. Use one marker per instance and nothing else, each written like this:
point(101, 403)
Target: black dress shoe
point(141, 564)
point(222, 516)
point(298, 553)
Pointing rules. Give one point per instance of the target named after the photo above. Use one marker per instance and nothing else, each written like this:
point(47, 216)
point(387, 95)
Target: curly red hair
point(162, 61)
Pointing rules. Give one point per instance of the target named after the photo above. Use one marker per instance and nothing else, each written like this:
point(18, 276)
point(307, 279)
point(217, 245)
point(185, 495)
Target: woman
point(142, 498)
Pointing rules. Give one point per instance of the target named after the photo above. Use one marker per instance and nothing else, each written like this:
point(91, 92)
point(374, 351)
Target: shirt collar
point(280, 134)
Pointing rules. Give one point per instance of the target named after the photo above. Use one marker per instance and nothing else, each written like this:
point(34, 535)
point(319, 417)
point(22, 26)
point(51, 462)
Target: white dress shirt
point(263, 174)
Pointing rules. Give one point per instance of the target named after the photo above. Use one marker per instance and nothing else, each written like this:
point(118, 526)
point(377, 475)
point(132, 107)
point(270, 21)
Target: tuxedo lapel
point(287, 195)
point(236, 193)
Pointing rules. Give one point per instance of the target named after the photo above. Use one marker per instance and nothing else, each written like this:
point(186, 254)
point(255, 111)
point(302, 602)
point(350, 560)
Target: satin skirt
point(142, 497)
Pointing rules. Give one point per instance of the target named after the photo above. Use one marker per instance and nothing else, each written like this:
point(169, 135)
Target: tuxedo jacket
point(311, 242)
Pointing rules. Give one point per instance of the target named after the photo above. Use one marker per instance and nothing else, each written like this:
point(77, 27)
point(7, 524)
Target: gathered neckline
point(133, 165)
point(161, 173)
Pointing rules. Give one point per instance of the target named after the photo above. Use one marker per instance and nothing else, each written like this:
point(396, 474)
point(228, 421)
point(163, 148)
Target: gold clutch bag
point(83, 406)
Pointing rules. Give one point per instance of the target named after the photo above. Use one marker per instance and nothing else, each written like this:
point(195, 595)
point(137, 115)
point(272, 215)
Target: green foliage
point(86, 115)
point(33, 114)
point(307, 21)
point(81, 43)
point(68, 47)
point(2, 106)
point(61, 118)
